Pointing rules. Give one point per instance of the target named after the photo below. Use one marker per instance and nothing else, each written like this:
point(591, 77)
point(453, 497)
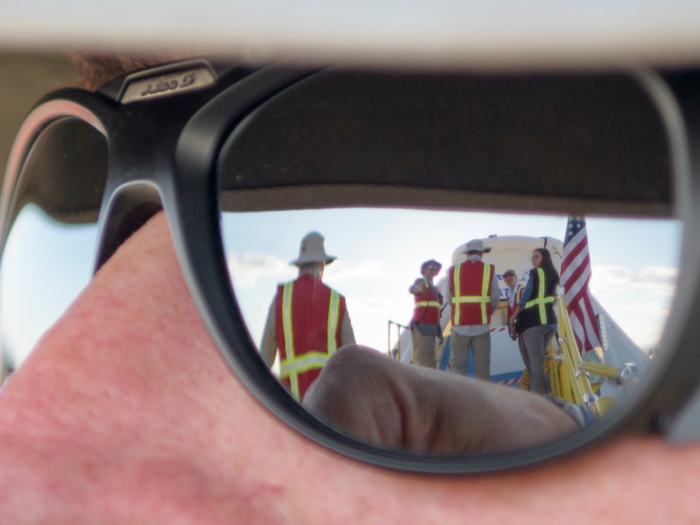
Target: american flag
point(575, 275)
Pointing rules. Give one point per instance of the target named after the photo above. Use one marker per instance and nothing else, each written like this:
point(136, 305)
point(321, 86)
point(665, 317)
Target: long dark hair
point(547, 263)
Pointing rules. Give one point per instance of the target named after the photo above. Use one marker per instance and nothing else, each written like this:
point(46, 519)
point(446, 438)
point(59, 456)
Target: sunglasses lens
point(48, 256)
point(392, 170)
point(376, 265)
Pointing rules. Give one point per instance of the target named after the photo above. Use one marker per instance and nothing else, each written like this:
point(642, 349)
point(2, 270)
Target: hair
point(547, 263)
point(98, 69)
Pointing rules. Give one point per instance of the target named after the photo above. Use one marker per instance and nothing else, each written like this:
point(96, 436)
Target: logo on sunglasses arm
point(169, 84)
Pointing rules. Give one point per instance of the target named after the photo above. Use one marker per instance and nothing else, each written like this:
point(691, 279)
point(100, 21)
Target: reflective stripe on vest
point(308, 361)
point(292, 366)
point(484, 298)
point(418, 304)
point(427, 303)
point(541, 300)
point(333, 311)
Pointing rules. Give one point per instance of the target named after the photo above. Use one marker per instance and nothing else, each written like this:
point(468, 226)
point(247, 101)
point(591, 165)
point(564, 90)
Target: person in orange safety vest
point(425, 323)
point(307, 321)
point(473, 295)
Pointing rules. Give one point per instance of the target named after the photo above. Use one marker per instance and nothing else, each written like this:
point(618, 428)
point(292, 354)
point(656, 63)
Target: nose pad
point(128, 209)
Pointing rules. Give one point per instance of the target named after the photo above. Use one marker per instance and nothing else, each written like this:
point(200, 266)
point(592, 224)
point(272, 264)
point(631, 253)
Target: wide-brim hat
point(312, 250)
point(426, 263)
point(477, 245)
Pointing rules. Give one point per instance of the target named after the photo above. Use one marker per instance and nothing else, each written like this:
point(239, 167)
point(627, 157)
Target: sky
point(44, 267)
point(46, 264)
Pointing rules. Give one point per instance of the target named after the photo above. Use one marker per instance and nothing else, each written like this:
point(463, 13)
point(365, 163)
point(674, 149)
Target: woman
point(538, 322)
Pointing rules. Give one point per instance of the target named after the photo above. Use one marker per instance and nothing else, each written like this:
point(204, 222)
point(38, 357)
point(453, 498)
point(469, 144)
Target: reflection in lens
point(48, 256)
point(380, 254)
point(45, 265)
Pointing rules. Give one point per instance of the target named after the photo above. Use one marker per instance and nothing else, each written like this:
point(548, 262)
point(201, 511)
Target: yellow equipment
point(569, 375)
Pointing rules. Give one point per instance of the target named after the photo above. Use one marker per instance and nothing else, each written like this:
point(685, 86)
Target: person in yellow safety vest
point(473, 295)
point(307, 320)
point(538, 322)
point(515, 292)
point(425, 323)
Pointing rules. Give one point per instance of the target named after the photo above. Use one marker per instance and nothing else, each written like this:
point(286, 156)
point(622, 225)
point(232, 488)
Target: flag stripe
point(579, 262)
point(575, 276)
point(591, 325)
point(578, 281)
point(577, 292)
point(574, 246)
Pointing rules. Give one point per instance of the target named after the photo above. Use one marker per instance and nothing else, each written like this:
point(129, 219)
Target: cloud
point(378, 304)
point(649, 307)
point(342, 270)
point(657, 281)
point(248, 269)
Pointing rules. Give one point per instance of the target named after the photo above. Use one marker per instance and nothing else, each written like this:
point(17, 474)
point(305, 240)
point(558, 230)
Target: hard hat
point(312, 250)
point(477, 245)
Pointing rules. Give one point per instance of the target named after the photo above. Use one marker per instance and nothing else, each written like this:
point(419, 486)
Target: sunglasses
point(392, 168)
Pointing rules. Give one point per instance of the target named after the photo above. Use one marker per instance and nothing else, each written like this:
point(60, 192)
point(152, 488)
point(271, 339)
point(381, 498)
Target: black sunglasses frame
point(164, 153)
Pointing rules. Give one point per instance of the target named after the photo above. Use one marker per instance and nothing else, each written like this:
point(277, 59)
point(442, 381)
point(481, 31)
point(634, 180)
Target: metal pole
point(398, 342)
point(388, 339)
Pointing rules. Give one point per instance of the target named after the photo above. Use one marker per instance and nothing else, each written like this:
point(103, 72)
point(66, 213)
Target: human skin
point(126, 414)
point(536, 259)
point(395, 405)
point(430, 273)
